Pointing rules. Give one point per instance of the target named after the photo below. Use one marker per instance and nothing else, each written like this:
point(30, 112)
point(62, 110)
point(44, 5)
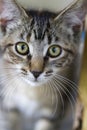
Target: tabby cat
point(39, 66)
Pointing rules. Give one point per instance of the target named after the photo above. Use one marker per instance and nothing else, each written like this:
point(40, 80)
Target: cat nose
point(36, 73)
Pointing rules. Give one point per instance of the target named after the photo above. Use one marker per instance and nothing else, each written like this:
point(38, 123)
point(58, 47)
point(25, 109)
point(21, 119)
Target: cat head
point(39, 45)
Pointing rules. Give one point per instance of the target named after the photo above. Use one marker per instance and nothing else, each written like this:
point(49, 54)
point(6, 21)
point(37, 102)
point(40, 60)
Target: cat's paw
point(78, 116)
point(43, 125)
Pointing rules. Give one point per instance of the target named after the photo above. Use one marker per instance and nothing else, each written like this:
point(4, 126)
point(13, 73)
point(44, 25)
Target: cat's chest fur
point(31, 101)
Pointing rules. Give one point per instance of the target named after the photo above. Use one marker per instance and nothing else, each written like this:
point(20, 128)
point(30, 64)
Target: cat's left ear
point(11, 15)
point(73, 15)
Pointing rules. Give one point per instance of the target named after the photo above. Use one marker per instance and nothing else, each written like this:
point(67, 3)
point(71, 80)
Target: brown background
point(83, 85)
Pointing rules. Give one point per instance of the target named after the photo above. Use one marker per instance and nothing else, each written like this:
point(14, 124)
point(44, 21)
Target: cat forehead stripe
point(41, 24)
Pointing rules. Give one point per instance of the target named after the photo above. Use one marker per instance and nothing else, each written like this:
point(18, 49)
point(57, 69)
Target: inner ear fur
point(11, 14)
point(73, 15)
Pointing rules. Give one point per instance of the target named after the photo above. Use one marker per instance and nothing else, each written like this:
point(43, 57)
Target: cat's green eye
point(22, 48)
point(54, 51)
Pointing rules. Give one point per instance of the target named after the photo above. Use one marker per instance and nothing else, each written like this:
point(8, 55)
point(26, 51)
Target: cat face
point(36, 45)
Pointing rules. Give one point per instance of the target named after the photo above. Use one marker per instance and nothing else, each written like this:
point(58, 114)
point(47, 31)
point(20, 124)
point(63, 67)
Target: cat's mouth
point(33, 81)
point(36, 78)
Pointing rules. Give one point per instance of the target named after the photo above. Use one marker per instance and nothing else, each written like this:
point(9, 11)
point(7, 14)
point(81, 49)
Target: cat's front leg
point(9, 120)
point(44, 124)
point(78, 116)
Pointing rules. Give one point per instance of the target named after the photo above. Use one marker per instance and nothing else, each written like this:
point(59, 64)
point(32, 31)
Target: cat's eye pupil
point(23, 47)
point(54, 49)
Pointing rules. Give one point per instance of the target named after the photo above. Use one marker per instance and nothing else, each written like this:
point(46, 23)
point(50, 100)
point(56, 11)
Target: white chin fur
point(34, 83)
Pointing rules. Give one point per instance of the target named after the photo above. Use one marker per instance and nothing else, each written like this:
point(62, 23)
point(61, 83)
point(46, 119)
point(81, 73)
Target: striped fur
point(38, 91)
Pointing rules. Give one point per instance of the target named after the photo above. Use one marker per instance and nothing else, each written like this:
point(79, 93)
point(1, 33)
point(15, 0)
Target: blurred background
point(83, 84)
point(54, 5)
point(57, 5)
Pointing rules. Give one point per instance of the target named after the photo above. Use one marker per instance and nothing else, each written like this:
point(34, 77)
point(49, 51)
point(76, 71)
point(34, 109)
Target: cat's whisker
point(54, 85)
point(46, 91)
point(66, 89)
point(70, 87)
point(61, 97)
point(54, 94)
point(5, 79)
point(50, 92)
point(69, 83)
point(3, 92)
point(62, 88)
point(6, 92)
point(9, 93)
point(56, 98)
point(9, 75)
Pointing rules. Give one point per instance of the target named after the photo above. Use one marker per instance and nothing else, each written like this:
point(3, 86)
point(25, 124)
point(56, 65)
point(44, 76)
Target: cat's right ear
point(73, 17)
point(11, 16)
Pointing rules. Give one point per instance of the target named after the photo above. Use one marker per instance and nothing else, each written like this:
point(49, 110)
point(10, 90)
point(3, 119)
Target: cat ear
point(11, 15)
point(74, 14)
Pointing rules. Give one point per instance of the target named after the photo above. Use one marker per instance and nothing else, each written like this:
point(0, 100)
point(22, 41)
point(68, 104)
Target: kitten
point(39, 66)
